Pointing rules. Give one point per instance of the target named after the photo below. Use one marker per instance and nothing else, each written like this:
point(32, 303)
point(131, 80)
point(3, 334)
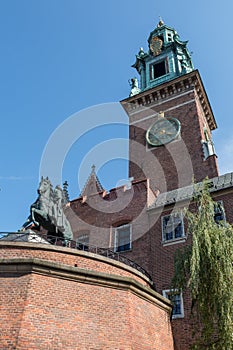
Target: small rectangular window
point(177, 300)
point(172, 227)
point(169, 37)
point(123, 238)
point(158, 69)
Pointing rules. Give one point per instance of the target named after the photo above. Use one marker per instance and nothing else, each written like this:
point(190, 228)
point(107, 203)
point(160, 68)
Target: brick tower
point(170, 117)
point(142, 222)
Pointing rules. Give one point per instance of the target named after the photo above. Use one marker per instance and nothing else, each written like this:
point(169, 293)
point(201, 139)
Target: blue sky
point(61, 56)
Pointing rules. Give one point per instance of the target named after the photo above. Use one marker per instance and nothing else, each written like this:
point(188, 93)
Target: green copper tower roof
point(166, 59)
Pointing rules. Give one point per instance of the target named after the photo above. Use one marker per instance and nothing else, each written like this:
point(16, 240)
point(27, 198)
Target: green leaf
point(206, 268)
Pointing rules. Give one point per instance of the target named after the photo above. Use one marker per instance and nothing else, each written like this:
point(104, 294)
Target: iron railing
point(60, 241)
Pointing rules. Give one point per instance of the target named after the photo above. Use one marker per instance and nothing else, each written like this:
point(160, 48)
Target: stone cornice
point(52, 269)
point(69, 251)
point(173, 87)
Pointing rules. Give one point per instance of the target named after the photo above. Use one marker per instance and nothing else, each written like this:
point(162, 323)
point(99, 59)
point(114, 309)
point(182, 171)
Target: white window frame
point(168, 292)
point(173, 240)
point(116, 245)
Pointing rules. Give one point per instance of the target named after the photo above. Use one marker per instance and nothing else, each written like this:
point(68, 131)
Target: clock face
point(163, 131)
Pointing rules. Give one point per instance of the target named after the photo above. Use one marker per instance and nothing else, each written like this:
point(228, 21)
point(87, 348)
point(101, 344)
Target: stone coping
point(71, 251)
point(53, 269)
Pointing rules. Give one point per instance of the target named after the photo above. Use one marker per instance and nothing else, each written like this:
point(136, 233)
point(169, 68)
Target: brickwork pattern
point(168, 167)
point(42, 310)
point(160, 264)
point(99, 215)
point(158, 259)
point(70, 257)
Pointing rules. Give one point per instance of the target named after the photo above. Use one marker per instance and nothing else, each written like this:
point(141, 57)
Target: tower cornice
point(150, 97)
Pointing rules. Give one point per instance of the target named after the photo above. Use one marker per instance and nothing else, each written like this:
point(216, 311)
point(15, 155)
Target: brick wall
point(149, 252)
point(158, 259)
point(99, 214)
point(173, 165)
point(169, 166)
point(70, 257)
point(48, 303)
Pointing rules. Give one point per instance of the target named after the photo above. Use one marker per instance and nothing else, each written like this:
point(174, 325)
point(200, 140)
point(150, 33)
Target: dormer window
point(158, 69)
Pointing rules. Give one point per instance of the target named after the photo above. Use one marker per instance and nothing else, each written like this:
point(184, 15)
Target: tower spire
point(166, 59)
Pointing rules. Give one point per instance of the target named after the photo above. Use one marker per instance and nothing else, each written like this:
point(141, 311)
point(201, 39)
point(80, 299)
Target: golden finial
point(161, 22)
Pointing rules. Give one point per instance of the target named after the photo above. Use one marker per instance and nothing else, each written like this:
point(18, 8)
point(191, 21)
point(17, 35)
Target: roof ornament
point(134, 87)
point(161, 22)
point(141, 52)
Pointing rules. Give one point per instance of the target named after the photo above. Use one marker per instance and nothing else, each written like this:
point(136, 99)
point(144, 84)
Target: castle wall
point(61, 298)
point(153, 255)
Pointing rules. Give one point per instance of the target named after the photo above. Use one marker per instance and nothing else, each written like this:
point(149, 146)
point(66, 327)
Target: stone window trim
point(163, 66)
point(123, 243)
point(126, 220)
point(176, 297)
point(177, 233)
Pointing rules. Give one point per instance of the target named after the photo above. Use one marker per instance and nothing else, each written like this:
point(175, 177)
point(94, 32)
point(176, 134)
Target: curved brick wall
point(60, 298)
point(70, 257)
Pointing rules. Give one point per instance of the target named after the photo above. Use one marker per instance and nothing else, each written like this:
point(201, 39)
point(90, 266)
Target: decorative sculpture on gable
point(48, 211)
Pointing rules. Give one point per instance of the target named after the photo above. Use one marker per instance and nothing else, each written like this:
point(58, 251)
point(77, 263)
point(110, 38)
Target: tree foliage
point(206, 270)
